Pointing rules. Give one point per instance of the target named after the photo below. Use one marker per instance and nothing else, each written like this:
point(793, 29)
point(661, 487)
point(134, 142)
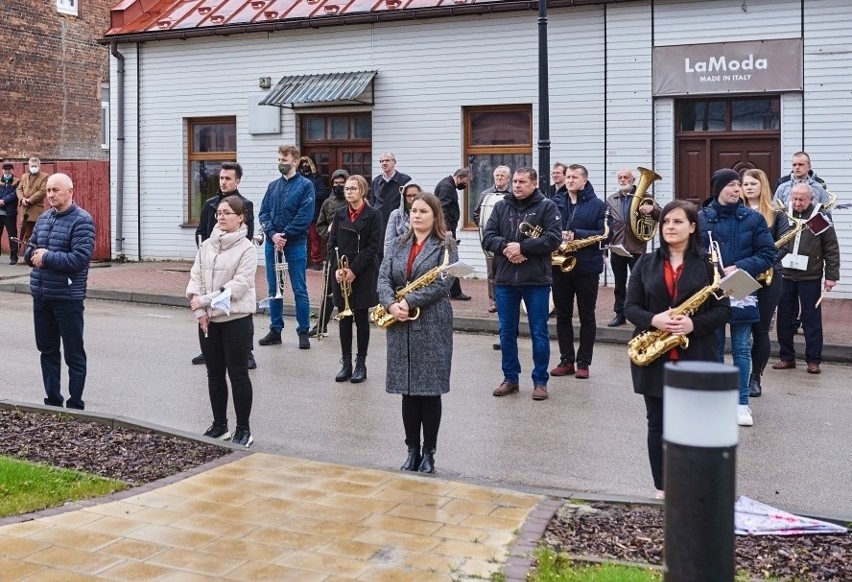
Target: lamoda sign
point(728, 67)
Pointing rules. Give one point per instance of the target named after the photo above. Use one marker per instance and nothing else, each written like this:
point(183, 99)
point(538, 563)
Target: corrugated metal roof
point(295, 90)
point(155, 19)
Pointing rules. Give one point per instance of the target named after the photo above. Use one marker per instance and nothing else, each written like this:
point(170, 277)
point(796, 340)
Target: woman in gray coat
point(420, 351)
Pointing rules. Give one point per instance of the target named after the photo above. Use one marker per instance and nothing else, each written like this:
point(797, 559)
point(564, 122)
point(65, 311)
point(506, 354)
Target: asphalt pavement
point(588, 439)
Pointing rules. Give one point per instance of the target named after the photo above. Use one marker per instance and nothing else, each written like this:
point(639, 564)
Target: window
point(337, 128)
point(105, 117)
point(68, 7)
point(720, 115)
point(494, 136)
point(211, 142)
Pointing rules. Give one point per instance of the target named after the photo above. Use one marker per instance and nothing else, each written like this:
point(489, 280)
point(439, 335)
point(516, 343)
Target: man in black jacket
point(522, 272)
point(316, 248)
point(386, 188)
point(447, 192)
point(9, 209)
point(230, 174)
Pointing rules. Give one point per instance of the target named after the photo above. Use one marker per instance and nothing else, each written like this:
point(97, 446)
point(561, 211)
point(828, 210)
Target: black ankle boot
point(427, 462)
point(413, 460)
point(754, 387)
point(360, 373)
point(346, 371)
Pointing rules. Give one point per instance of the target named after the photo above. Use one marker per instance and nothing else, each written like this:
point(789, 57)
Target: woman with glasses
point(757, 195)
point(221, 291)
point(354, 248)
point(399, 222)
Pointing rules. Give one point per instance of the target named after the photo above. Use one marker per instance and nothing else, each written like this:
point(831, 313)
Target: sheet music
point(620, 251)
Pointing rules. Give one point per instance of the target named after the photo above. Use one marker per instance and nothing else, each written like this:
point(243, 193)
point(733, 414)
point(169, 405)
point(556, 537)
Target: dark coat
point(449, 197)
point(502, 228)
point(585, 219)
point(742, 234)
point(69, 238)
point(622, 232)
point(385, 196)
point(329, 210)
point(9, 195)
point(647, 296)
point(320, 182)
point(361, 242)
point(419, 352)
point(823, 252)
point(208, 215)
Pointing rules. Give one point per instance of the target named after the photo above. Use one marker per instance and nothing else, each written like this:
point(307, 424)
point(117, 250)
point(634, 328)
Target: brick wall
point(51, 71)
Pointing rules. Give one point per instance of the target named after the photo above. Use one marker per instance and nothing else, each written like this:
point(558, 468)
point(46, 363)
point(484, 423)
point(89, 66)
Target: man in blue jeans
point(285, 216)
point(523, 230)
point(60, 250)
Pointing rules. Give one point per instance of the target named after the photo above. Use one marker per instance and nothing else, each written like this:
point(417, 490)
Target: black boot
point(346, 371)
point(360, 373)
point(413, 460)
point(427, 462)
point(754, 388)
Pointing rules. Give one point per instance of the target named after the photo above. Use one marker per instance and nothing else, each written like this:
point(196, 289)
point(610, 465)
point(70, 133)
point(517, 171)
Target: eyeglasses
point(386, 161)
point(222, 213)
point(351, 189)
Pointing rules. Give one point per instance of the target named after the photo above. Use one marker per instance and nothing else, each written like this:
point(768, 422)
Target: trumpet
point(345, 286)
point(259, 238)
point(280, 271)
point(530, 230)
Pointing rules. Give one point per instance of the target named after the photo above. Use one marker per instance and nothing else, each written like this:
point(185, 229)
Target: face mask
point(306, 170)
point(461, 186)
point(33, 169)
point(285, 168)
point(7, 178)
point(338, 189)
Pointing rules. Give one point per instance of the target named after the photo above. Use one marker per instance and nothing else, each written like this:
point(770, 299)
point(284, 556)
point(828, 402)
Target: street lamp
point(543, 102)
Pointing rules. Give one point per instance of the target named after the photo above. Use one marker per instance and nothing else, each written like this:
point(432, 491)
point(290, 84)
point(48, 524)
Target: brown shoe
point(563, 369)
point(813, 368)
point(784, 365)
point(582, 373)
point(540, 392)
point(505, 389)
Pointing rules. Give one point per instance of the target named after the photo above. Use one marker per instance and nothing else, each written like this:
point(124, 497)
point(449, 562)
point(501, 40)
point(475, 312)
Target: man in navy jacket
point(60, 250)
point(9, 209)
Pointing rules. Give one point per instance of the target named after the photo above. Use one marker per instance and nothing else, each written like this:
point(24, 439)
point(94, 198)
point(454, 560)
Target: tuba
point(644, 227)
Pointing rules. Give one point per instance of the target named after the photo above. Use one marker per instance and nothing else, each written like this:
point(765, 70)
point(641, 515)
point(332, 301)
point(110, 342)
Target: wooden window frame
point(728, 101)
point(70, 7)
point(304, 117)
point(193, 156)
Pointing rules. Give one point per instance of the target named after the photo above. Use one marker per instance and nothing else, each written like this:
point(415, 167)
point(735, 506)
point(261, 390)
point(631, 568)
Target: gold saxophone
point(766, 276)
point(564, 258)
point(381, 317)
point(650, 345)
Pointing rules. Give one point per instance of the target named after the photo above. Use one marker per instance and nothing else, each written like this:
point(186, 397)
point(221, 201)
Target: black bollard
point(700, 436)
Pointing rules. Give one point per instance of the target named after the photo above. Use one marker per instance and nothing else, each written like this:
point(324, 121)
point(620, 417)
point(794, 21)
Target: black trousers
point(567, 286)
point(767, 301)
point(620, 266)
point(10, 223)
point(362, 321)
point(422, 411)
point(226, 349)
point(654, 414)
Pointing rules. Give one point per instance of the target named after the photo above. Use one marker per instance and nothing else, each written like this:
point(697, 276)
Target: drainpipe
point(119, 155)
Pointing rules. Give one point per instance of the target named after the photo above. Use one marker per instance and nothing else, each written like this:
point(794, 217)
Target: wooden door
point(355, 159)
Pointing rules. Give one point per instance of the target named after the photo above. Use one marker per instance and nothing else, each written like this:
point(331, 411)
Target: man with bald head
point(811, 265)
point(59, 250)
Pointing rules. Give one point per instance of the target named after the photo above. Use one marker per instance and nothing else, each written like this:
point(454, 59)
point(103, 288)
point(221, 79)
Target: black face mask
point(305, 170)
point(461, 186)
point(338, 190)
point(6, 178)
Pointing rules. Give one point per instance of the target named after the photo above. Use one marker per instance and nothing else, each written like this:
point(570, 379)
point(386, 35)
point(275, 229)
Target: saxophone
point(381, 317)
point(564, 258)
point(650, 345)
point(798, 225)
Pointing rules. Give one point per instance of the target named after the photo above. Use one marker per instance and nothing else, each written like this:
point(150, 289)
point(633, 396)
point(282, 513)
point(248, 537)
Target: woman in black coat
point(667, 277)
point(358, 235)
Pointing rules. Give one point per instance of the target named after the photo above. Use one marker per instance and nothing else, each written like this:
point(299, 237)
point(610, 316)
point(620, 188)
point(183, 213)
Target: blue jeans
point(58, 320)
point(537, 300)
point(296, 255)
point(741, 352)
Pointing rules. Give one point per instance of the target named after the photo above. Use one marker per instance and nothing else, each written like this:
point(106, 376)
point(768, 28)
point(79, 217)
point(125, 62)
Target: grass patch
point(557, 567)
point(27, 487)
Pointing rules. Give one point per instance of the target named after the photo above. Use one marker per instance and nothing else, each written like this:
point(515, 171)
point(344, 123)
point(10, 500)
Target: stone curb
point(830, 352)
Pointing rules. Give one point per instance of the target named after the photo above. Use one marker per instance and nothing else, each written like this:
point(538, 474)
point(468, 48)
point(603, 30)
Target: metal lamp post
point(700, 435)
point(543, 101)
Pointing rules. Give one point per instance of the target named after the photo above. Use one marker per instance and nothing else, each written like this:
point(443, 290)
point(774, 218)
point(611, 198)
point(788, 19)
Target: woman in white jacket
point(221, 291)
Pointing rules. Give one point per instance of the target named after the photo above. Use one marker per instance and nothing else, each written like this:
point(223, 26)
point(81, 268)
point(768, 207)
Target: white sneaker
point(744, 415)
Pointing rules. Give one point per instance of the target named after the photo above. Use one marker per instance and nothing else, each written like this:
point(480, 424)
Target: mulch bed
point(634, 533)
point(133, 456)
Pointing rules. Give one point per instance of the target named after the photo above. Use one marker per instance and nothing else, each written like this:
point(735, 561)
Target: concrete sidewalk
point(164, 283)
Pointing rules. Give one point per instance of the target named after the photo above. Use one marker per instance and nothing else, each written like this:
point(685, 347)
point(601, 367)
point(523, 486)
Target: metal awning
point(326, 89)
